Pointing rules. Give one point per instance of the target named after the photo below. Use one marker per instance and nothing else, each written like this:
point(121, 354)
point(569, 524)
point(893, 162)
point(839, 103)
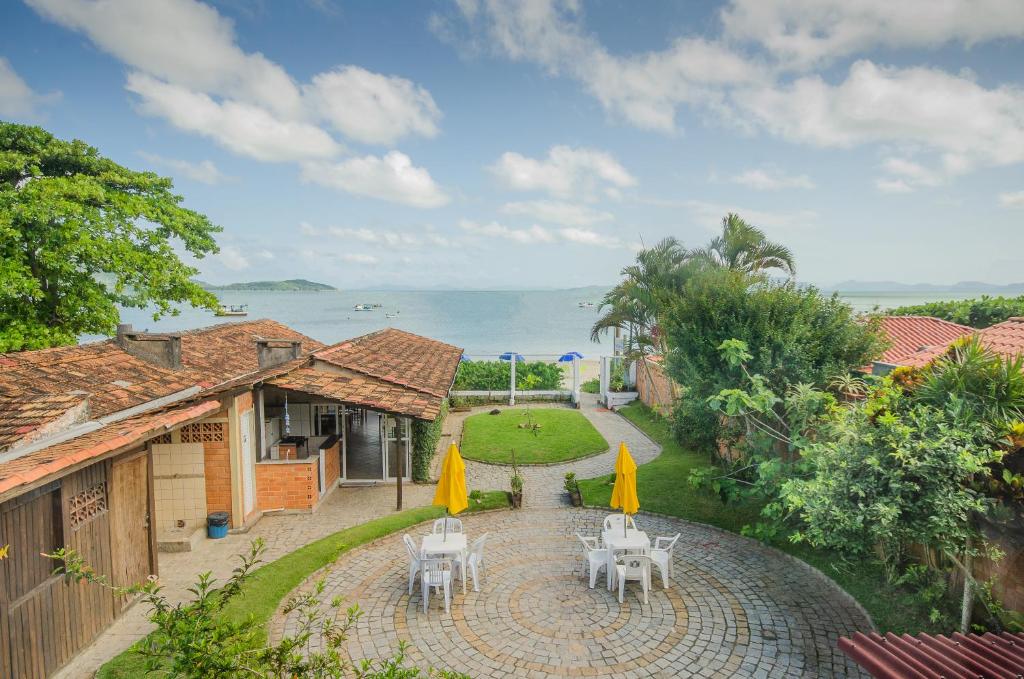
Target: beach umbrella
point(466, 359)
point(507, 356)
point(624, 490)
point(570, 357)
point(451, 487)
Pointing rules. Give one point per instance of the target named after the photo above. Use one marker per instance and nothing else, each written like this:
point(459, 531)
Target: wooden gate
point(131, 546)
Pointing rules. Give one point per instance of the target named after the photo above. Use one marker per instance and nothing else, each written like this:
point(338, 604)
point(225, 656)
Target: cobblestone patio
point(735, 607)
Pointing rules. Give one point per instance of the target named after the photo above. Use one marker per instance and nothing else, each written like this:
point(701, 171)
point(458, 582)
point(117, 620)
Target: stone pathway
point(734, 608)
point(542, 485)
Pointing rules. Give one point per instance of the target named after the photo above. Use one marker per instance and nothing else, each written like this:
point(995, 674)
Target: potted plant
point(573, 488)
point(516, 483)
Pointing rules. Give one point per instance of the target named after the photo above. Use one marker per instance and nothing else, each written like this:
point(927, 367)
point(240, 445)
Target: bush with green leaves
point(495, 376)
point(425, 435)
point(977, 313)
point(194, 640)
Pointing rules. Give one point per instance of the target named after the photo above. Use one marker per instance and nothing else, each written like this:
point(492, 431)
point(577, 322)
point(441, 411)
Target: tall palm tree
point(745, 248)
point(638, 301)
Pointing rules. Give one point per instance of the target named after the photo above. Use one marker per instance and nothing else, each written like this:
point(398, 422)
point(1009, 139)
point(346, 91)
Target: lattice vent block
point(86, 505)
point(202, 432)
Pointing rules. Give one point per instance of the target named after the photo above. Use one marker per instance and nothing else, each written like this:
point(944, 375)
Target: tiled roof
point(362, 390)
point(1006, 338)
point(222, 352)
point(399, 357)
point(915, 337)
point(110, 438)
point(114, 380)
point(935, 657)
point(33, 414)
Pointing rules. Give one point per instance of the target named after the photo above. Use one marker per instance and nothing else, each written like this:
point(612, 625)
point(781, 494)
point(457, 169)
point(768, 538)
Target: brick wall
point(332, 465)
point(215, 437)
point(287, 485)
point(654, 386)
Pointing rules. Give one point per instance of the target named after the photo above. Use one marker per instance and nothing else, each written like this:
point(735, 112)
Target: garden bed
point(563, 435)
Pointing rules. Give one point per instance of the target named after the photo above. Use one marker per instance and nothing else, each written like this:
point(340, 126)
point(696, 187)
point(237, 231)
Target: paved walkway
point(734, 608)
point(542, 485)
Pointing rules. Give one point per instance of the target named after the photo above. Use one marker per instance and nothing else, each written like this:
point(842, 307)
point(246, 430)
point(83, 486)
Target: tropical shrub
point(977, 313)
point(494, 376)
point(591, 386)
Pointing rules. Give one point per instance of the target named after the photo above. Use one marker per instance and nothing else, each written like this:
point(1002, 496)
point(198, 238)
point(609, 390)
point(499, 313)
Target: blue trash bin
point(217, 525)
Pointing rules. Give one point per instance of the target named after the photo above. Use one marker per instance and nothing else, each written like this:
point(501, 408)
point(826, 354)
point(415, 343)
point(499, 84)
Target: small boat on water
point(233, 310)
point(366, 307)
point(394, 315)
point(585, 305)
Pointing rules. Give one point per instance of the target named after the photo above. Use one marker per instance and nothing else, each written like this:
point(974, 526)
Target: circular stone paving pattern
point(733, 607)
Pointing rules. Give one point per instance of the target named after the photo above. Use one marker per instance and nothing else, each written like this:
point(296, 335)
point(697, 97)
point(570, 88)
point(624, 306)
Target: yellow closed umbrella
point(451, 487)
point(624, 491)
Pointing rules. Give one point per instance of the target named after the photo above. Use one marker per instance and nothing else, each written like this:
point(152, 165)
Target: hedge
point(494, 375)
point(425, 436)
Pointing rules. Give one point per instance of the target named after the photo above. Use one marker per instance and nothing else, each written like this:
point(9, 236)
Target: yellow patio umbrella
point(624, 490)
point(451, 487)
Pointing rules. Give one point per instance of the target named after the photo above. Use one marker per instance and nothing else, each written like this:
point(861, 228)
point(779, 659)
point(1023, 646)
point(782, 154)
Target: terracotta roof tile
point(31, 413)
point(1006, 338)
point(917, 335)
point(223, 352)
point(362, 390)
point(400, 357)
point(112, 437)
point(927, 657)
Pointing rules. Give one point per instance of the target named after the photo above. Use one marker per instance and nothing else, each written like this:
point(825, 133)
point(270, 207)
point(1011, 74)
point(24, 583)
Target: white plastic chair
point(414, 560)
point(636, 567)
point(614, 522)
point(597, 557)
point(436, 574)
point(661, 555)
point(475, 563)
point(454, 525)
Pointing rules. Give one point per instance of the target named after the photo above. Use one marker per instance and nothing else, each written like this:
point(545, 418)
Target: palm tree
point(745, 248)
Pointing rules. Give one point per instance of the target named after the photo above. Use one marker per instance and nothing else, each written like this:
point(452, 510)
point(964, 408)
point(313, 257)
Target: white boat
point(233, 310)
point(365, 307)
point(585, 305)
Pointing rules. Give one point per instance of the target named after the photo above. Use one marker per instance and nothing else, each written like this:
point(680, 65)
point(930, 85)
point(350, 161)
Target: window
point(325, 420)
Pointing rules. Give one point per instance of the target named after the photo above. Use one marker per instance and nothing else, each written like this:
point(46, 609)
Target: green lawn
point(271, 583)
point(663, 487)
point(564, 434)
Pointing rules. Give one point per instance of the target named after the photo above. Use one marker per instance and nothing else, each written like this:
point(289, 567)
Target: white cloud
point(373, 108)
point(186, 66)
point(709, 216)
point(17, 99)
point(392, 178)
point(204, 172)
point(951, 115)
point(180, 41)
point(243, 128)
point(893, 185)
point(644, 89)
point(772, 179)
point(588, 237)
point(232, 258)
point(1014, 199)
point(565, 172)
point(533, 234)
point(359, 258)
point(801, 32)
point(555, 212)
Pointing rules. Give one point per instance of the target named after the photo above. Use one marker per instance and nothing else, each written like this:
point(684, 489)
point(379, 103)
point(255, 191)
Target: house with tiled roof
point(121, 448)
point(1005, 339)
point(914, 340)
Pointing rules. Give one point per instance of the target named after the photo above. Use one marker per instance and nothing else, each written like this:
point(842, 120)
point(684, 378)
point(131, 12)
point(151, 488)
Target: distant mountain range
point(293, 285)
point(962, 286)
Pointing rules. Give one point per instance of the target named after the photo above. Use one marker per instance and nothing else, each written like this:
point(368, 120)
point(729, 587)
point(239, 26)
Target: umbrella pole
point(444, 536)
point(624, 530)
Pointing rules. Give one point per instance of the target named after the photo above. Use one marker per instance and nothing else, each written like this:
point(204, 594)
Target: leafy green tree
point(794, 335)
point(81, 235)
point(977, 313)
point(745, 248)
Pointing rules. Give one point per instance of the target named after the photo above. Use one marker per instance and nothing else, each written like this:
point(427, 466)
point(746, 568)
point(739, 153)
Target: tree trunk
point(967, 607)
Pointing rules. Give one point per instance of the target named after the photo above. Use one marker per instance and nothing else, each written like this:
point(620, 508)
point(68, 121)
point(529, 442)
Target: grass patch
point(564, 434)
point(663, 487)
point(271, 583)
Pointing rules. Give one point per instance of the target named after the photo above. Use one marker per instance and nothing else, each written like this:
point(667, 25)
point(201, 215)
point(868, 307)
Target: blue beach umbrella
point(466, 359)
point(507, 356)
point(570, 357)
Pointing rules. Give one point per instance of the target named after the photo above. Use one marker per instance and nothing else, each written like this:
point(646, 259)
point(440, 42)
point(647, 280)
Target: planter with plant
point(516, 484)
point(573, 488)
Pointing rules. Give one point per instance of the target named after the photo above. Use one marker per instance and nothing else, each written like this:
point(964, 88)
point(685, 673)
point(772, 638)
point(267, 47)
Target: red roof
point(918, 338)
point(399, 357)
point(362, 390)
point(966, 656)
point(112, 437)
point(1006, 338)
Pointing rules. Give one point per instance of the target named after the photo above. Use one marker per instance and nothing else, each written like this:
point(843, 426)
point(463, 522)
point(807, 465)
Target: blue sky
point(491, 144)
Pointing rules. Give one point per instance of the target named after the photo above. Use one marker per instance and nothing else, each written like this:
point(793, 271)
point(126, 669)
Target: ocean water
point(485, 323)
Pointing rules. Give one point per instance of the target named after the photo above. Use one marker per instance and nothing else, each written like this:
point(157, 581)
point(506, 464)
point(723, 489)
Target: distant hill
point(293, 285)
point(962, 286)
